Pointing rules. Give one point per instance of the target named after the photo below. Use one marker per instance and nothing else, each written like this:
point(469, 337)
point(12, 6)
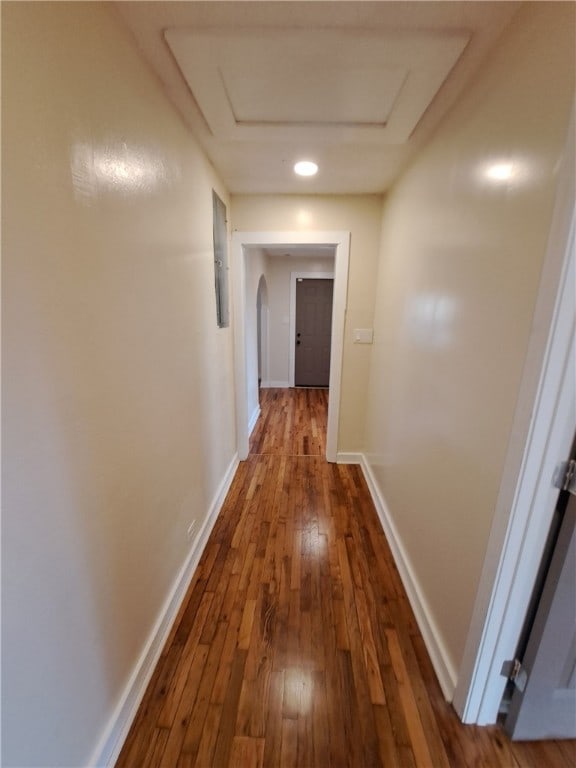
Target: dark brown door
point(313, 332)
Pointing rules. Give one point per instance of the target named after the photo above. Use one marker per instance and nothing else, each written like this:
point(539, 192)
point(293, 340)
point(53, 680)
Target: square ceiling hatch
point(350, 85)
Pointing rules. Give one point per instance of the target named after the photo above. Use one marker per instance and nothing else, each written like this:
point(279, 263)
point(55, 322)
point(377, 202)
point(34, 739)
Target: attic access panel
point(347, 85)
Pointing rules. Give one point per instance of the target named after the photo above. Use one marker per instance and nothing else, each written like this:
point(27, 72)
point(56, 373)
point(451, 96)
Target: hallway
point(296, 645)
point(127, 400)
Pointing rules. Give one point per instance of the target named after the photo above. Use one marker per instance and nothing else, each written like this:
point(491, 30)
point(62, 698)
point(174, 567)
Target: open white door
point(544, 707)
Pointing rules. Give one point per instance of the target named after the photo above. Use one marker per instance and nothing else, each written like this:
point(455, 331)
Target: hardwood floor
point(296, 644)
point(292, 422)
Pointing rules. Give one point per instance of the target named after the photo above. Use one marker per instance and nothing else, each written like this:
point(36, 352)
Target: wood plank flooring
point(292, 422)
point(296, 644)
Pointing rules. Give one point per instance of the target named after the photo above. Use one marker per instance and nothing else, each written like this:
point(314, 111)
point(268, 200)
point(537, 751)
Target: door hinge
point(565, 476)
point(516, 673)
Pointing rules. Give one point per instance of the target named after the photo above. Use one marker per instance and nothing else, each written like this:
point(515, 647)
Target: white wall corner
point(115, 733)
point(253, 419)
point(441, 661)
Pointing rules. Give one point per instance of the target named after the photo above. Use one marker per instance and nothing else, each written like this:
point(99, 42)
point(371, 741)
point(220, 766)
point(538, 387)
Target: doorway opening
point(262, 330)
point(243, 243)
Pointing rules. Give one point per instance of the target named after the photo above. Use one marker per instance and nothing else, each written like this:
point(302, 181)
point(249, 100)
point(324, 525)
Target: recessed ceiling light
point(306, 168)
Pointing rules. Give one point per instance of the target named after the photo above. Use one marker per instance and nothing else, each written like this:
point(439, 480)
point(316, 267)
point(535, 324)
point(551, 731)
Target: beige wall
point(361, 215)
point(460, 261)
point(118, 385)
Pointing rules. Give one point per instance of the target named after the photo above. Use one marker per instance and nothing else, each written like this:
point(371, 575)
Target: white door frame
point(240, 242)
point(542, 433)
point(263, 331)
point(293, 278)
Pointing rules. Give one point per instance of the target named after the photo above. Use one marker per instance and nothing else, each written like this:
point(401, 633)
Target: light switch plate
point(363, 335)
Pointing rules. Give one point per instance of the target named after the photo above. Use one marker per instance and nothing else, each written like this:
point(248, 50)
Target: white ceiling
point(356, 86)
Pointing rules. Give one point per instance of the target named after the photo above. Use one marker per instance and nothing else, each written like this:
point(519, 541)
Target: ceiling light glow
point(306, 168)
point(500, 171)
point(511, 173)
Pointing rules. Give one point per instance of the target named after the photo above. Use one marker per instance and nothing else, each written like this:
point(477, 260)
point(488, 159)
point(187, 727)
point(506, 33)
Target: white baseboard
point(110, 745)
point(348, 458)
point(275, 384)
point(443, 666)
point(253, 420)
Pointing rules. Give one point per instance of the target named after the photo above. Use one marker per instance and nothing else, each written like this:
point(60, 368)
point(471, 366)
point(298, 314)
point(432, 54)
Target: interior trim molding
point(108, 749)
point(253, 419)
point(275, 384)
point(443, 666)
point(348, 458)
